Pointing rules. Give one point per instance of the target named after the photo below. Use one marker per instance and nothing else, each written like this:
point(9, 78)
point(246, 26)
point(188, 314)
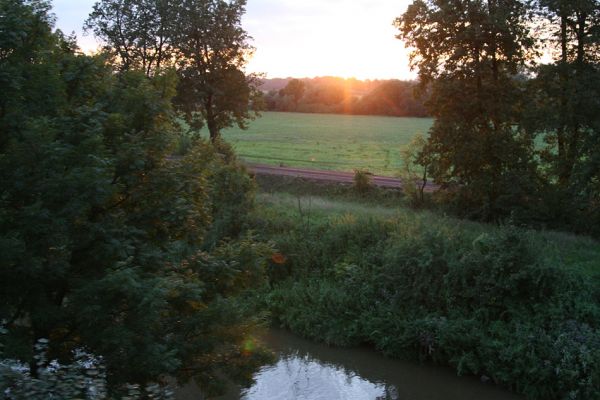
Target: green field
point(326, 141)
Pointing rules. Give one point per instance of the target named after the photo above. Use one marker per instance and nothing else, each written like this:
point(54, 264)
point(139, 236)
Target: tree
point(295, 88)
point(214, 50)
point(25, 34)
point(136, 33)
point(103, 235)
point(567, 88)
point(203, 40)
point(469, 53)
point(394, 98)
point(564, 109)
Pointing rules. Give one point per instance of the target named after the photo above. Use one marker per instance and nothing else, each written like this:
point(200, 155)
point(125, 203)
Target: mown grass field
point(326, 141)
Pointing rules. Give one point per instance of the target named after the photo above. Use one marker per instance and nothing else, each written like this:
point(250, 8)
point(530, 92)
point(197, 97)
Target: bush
point(487, 306)
point(231, 194)
point(363, 181)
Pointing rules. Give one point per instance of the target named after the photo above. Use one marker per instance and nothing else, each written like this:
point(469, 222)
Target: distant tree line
point(514, 137)
point(345, 96)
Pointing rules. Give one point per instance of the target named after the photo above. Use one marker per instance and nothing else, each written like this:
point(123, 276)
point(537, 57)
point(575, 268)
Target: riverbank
point(516, 307)
point(308, 370)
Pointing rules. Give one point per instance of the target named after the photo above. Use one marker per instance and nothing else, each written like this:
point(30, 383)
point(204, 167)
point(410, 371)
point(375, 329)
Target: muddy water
point(309, 371)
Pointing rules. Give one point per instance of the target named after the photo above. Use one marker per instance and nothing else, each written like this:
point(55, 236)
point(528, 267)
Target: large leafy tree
point(565, 103)
point(214, 50)
point(101, 231)
point(136, 33)
point(203, 40)
point(469, 53)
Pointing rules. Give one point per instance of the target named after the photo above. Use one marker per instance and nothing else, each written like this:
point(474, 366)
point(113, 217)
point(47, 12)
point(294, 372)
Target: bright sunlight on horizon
point(309, 38)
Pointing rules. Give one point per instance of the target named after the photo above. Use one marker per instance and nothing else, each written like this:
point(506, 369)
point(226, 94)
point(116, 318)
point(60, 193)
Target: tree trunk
point(563, 169)
point(211, 122)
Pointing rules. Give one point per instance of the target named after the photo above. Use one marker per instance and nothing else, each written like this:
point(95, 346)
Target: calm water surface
point(310, 371)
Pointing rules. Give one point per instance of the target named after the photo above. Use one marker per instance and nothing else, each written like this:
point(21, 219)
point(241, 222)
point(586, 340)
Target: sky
point(302, 38)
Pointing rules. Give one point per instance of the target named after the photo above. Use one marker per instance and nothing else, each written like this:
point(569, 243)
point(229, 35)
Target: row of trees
point(341, 96)
point(512, 135)
point(108, 244)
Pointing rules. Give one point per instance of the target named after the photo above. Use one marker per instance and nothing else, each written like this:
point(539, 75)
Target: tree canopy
point(202, 40)
point(495, 102)
point(344, 96)
point(470, 53)
point(107, 242)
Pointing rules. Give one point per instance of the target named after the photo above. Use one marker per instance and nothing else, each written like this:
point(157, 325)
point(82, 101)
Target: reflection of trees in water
point(391, 393)
point(299, 375)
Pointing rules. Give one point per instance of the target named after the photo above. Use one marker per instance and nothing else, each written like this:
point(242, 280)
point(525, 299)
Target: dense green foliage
point(108, 244)
point(347, 96)
point(114, 249)
point(202, 40)
point(467, 51)
point(518, 307)
point(495, 103)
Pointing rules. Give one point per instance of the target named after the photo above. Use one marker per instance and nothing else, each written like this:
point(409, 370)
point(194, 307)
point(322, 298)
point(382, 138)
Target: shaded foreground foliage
point(109, 245)
point(488, 302)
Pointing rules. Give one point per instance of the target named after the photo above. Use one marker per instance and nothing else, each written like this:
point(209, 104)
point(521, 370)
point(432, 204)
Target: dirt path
point(328, 176)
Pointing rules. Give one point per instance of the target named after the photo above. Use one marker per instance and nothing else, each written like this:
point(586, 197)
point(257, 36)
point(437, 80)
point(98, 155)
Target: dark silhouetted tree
point(469, 54)
point(103, 236)
point(203, 40)
point(136, 33)
point(214, 49)
point(565, 99)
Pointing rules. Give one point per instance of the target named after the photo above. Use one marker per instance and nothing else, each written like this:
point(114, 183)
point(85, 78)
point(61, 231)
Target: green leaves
point(485, 304)
point(469, 54)
point(100, 224)
point(202, 40)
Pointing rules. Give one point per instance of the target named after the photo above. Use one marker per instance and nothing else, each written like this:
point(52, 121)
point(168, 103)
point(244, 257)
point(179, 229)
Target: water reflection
point(300, 377)
point(311, 371)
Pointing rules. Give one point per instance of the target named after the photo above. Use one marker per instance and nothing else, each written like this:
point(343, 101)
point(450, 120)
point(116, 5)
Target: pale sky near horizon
point(302, 38)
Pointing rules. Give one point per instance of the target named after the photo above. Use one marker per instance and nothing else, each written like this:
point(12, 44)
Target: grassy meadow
point(327, 141)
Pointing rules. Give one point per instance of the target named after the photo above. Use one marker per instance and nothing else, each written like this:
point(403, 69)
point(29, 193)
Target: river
point(306, 370)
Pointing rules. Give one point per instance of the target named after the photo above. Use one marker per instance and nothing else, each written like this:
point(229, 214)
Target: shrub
point(363, 182)
point(486, 306)
point(231, 194)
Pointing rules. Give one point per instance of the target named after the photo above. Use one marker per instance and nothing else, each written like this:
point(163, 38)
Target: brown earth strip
point(328, 176)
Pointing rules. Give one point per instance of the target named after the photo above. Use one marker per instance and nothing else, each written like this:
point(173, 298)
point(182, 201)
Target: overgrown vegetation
point(123, 264)
point(518, 307)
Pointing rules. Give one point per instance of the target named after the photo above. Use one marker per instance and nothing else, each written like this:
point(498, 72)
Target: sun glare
point(345, 39)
